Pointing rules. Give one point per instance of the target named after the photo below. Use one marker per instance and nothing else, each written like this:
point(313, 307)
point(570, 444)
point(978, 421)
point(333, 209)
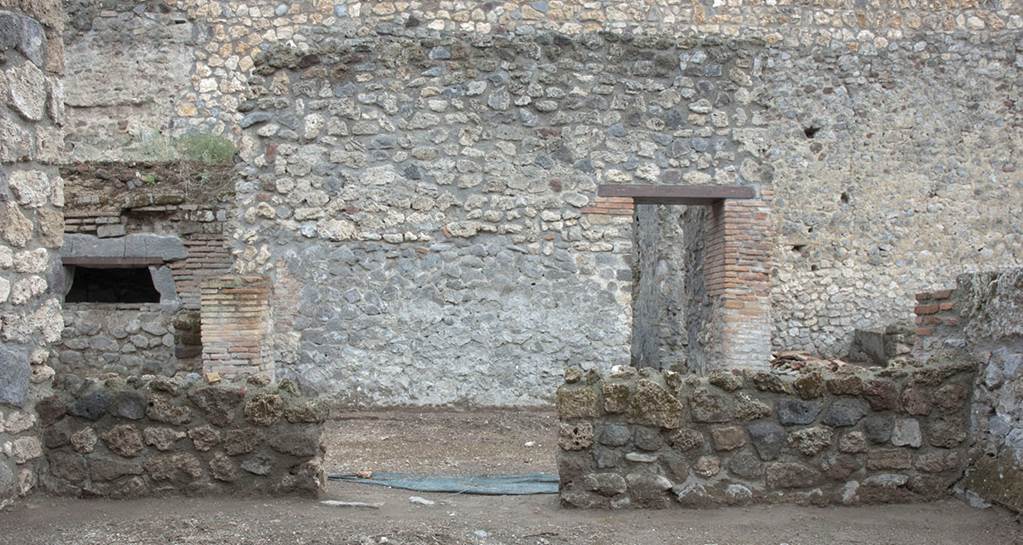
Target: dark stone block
point(746, 465)
point(299, 441)
point(711, 407)
point(128, 404)
point(615, 435)
point(92, 405)
point(67, 465)
point(50, 409)
point(107, 468)
point(845, 412)
point(219, 404)
point(15, 372)
point(768, 439)
point(878, 429)
point(797, 412)
point(648, 439)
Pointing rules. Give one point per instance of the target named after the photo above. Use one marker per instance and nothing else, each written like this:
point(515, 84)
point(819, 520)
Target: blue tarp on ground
point(487, 485)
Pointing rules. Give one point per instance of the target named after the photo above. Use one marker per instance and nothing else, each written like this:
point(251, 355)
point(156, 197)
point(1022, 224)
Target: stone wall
point(132, 437)
point(849, 436)
point(983, 316)
point(124, 339)
point(871, 203)
point(31, 227)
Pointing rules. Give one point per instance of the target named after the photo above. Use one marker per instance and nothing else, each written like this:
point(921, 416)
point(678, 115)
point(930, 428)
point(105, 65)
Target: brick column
point(737, 277)
point(236, 340)
point(937, 323)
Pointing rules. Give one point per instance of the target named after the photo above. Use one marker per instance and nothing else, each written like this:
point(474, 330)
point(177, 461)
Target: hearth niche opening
point(112, 285)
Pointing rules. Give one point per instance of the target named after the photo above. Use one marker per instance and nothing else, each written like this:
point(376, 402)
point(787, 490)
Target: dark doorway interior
point(125, 285)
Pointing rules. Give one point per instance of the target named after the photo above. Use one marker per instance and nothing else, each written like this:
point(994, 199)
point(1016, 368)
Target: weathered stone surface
point(162, 438)
point(889, 459)
point(726, 380)
point(748, 408)
point(706, 406)
point(853, 442)
point(768, 439)
point(687, 439)
point(177, 468)
point(258, 464)
point(84, 440)
point(605, 484)
point(14, 374)
point(850, 384)
point(204, 438)
point(810, 441)
point(128, 404)
point(882, 394)
point(844, 412)
point(917, 401)
point(616, 397)
point(652, 405)
point(67, 465)
point(163, 408)
point(906, 433)
point(796, 412)
point(574, 436)
point(791, 475)
point(945, 433)
point(124, 440)
point(108, 468)
point(809, 385)
point(647, 438)
point(615, 435)
point(241, 441)
point(649, 490)
point(264, 409)
point(878, 429)
point(223, 468)
point(746, 465)
point(728, 437)
point(24, 449)
point(304, 441)
point(219, 404)
point(26, 89)
point(707, 466)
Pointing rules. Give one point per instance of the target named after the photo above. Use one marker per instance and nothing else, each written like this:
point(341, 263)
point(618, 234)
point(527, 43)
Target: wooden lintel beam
point(112, 262)
point(677, 194)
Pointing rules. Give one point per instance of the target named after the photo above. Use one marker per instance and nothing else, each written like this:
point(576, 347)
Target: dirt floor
point(478, 442)
point(443, 442)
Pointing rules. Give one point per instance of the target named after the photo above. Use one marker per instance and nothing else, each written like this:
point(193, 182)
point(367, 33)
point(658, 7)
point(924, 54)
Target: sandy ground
point(443, 442)
point(478, 442)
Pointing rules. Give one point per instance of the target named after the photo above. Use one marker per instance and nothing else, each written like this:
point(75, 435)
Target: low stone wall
point(146, 436)
point(983, 317)
point(851, 436)
point(127, 339)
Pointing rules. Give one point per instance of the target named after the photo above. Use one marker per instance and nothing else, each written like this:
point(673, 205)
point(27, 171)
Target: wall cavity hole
point(811, 131)
point(115, 285)
point(843, 198)
point(798, 248)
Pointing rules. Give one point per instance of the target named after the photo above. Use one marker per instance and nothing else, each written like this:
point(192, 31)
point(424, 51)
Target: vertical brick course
point(236, 326)
point(737, 277)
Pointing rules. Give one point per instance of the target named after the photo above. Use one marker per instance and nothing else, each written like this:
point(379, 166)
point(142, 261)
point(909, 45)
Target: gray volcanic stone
point(798, 412)
point(615, 435)
point(768, 439)
point(92, 405)
point(878, 429)
point(15, 372)
point(128, 404)
point(845, 412)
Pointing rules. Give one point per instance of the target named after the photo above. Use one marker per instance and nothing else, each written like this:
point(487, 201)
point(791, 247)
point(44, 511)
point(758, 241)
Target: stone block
point(15, 373)
point(797, 412)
